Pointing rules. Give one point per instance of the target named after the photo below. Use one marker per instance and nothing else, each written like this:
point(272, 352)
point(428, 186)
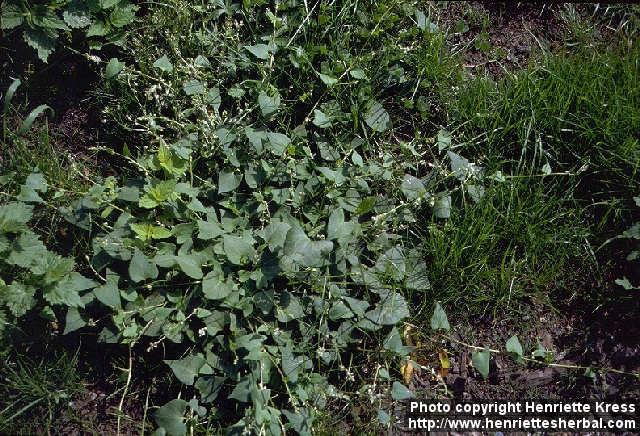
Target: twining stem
point(553, 365)
point(126, 387)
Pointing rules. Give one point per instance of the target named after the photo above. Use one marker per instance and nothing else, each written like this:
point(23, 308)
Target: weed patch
point(506, 248)
point(301, 184)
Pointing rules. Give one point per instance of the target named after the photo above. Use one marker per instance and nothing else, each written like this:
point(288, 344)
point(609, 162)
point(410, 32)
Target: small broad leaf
point(480, 361)
point(335, 223)
point(109, 294)
point(412, 187)
point(444, 140)
point(26, 251)
point(14, 216)
point(238, 248)
point(546, 169)
point(357, 306)
point(209, 229)
point(328, 80)
point(192, 87)
point(146, 231)
point(377, 117)
point(461, 167)
point(542, 353)
point(424, 23)
point(170, 161)
point(29, 195)
point(187, 369)
point(261, 51)
point(74, 321)
point(400, 392)
point(417, 275)
point(383, 417)
point(442, 207)
point(275, 234)
point(357, 74)
point(201, 62)
point(301, 421)
point(17, 297)
point(41, 41)
point(113, 68)
point(214, 288)
point(391, 309)
point(421, 19)
point(170, 417)
point(163, 64)
point(12, 16)
point(393, 342)
point(320, 119)
point(299, 247)
point(278, 142)
point(291, 365)
point(625, 283)
point(268, 104)
point(476, 192)
point(190, 265)
point(242, 390)
point(122, 14)
point(514, 346)
point(357, 159)
point(213, 98)
point(339, 310)
point(228, 181)
point(97, 28)
point(141, 268)
point(439, 320)
point(66, 292)
point(37, 182)
point(339, 229)
point(77, 15)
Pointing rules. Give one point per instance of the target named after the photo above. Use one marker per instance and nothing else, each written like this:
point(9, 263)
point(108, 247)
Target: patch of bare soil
point(65, 84)
point(585, 330)
point(499, 37)
point(495, 37)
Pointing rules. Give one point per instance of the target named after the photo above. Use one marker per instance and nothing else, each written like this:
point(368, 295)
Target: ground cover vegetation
point(297, 194)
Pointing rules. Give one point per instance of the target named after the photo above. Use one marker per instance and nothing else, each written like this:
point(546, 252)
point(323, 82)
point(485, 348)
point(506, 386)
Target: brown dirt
point(496, 37)
point(74, 124)
point(585, 330)
point(499, 37)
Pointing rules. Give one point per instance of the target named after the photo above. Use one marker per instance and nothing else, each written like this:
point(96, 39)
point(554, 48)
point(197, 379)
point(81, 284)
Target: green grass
point(41, 149)
point(34, 391)
point(577, 112)
point(503, 250)
point(572, 110)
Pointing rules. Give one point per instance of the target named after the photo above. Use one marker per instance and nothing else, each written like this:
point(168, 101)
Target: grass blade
point(9, 96)
point(28, 122)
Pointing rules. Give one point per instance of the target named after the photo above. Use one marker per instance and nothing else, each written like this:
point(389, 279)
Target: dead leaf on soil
point(445, 365)
point(407, 367)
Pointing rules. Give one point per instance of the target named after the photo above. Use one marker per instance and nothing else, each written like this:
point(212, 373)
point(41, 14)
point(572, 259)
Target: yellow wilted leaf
point(444, 362)
point(408, 340)
point(406, 369)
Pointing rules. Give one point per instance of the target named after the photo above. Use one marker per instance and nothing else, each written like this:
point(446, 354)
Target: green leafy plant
point(263, 231)
point(42, 21)
point(291, 199)
point(32, 277)
point(632, 234)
